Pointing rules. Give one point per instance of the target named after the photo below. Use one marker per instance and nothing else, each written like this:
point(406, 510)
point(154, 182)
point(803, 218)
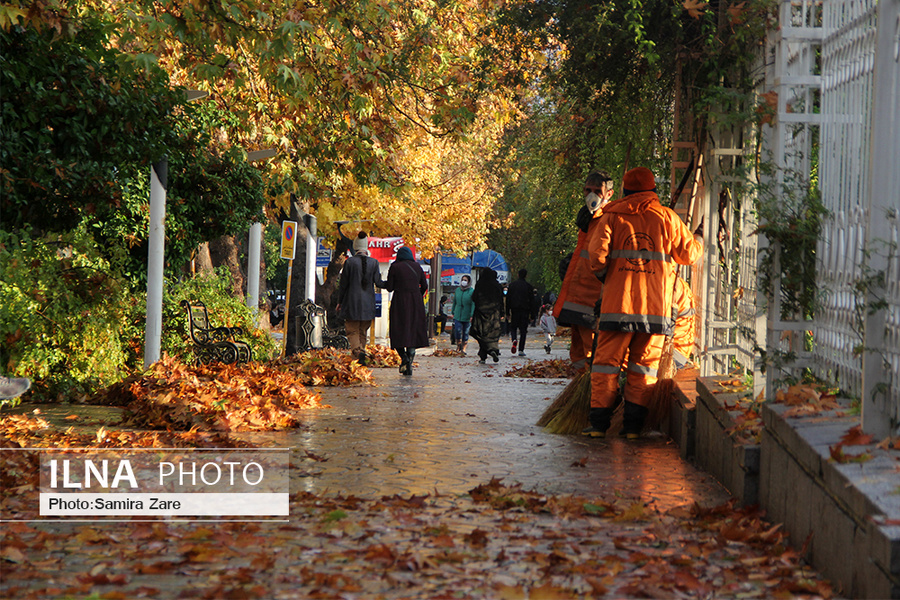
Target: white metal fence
point(833, 77)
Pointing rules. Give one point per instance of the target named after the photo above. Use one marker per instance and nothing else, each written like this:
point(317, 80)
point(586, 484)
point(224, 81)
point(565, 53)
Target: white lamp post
point(156, 242)
point(255, 243)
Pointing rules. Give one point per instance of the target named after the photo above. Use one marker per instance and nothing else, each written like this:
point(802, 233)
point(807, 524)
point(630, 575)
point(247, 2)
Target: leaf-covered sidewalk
point(495, 542)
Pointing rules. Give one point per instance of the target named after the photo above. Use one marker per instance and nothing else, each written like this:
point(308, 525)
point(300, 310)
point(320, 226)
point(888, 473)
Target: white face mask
point(464, 283)
point(592, 201)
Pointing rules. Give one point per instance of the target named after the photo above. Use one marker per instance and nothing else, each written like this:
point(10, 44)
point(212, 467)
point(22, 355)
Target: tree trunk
point(203, 261)
point(224, 251)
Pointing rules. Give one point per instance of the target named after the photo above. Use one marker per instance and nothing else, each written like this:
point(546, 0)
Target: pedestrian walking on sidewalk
point(634, 249)
point(440, 319)
point(580, 288)
point(408, 326)
point(488, 300)
point(548, 325)
point(356, 296)
point(519, 310)
point(463, 309)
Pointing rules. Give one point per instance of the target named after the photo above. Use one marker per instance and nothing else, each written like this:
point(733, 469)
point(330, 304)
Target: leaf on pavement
point(856, 437)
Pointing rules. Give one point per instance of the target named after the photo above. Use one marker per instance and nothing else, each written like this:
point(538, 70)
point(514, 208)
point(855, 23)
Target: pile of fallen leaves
point(382, 356)
point(748, 423)
point(448, 352)
point(548, 369)
point(325, 367)
point(854, 437)
point(24, 431)
point(807, 400)
point(244, 397)
point(496, 542)
point(804, 399)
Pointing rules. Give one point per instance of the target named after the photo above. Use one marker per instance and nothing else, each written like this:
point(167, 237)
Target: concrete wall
point(844, 516)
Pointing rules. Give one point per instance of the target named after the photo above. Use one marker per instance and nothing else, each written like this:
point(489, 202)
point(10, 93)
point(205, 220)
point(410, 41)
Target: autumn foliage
point(248, 397)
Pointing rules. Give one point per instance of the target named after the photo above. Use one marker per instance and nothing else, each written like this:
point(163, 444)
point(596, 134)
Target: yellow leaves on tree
point(336, 88)
point(446, 196)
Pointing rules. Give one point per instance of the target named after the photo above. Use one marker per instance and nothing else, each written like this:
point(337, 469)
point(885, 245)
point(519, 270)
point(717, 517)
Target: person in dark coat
point(356, 296)
point(519, 309)
point(488, 299)
point(408, 326)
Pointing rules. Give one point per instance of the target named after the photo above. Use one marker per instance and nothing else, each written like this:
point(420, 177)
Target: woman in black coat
point(408, 326)
point(488, 299)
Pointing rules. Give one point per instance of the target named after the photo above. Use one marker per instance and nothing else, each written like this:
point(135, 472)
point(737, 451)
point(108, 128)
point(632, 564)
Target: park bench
point(214, 344)
point(312, 317)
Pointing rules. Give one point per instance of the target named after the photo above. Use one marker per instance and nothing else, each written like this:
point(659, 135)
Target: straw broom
point(661, 396)
point(568, 413)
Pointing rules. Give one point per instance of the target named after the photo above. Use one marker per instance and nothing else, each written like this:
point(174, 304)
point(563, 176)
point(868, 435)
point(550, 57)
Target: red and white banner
point(385, 249)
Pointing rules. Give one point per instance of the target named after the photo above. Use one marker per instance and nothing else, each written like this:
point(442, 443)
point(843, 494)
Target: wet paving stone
point(455, 424)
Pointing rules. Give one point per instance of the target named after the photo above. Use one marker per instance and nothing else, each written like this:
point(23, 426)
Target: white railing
point(834, 67)
point(847, 60)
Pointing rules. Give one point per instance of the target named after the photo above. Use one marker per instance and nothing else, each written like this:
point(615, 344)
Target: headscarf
point(404, 253)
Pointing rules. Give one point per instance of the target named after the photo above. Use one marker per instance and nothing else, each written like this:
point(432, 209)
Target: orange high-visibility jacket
point(634, 249)
point(685, 318)
point(580, 288)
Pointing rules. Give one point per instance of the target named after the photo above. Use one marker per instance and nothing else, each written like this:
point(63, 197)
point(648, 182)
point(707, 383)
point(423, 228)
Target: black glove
point(583, 218)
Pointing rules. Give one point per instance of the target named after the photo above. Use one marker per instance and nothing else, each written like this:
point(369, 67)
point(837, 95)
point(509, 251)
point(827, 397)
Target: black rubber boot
point(633, 420)
point(410, 356)
point(600, 420)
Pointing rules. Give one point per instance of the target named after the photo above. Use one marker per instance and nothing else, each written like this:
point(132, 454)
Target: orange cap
point(639, 179)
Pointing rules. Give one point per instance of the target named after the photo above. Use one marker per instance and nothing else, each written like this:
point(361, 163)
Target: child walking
point(548, 325)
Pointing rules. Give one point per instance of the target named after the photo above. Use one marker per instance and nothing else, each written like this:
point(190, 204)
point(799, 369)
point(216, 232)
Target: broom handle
point(594, 333)
point(684, 179)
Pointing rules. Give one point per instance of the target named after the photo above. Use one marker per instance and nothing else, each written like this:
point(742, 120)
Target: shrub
point(73, 324)
point(214, 289)
point(62, 313)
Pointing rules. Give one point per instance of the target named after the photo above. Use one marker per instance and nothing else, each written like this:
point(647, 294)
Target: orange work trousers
point(581, 346)
point(638, 353)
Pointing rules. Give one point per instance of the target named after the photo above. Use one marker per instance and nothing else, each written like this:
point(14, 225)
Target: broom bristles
point(561, 400)
point(572, 415)
point(661, 396)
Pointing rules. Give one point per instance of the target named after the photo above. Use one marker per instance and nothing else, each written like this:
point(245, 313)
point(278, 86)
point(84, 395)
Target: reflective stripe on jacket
point(580, 288)
point(634, 248)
